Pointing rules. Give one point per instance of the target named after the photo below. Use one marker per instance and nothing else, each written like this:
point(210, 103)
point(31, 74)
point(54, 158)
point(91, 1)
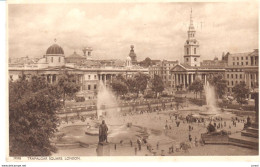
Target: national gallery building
point(89, 72)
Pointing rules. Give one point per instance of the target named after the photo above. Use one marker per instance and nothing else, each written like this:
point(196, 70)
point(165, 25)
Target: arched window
point(194, 50)
point(187, 51)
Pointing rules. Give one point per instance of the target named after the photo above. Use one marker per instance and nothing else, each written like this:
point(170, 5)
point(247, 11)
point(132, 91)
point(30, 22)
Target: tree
point(121, 78)
point(219, 84)
point(119, 87)
point(32, 116)
point(67, 86)
point(141, 82)
point(196, 87)
point(132, 85)
point(146, 62)
point(138, 83)
point(240, 93)
point(157, 84)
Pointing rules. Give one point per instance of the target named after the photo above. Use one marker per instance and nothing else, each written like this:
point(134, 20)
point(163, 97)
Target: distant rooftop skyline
point(157, 30)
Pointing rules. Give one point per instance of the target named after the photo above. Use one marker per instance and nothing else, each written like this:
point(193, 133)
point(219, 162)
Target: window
point(232, 83)
point(233, 58)
point(233, 63)
point(228, 83)
point(246, 63)
point(237, 63)
point(187, 51)
point(194, 50)
point(240, 76)
point(52, 59)
point(231, 75)
point(59, 59)
point(187, 59)
point(95, 86)
point(227, 75)
point(88, 76)
point(246, 58)
point(89, 87)
point(195, 59)
point(95, 77)
point(242, 58)
point(237, 58)
point(236, 76)
point(242, 63)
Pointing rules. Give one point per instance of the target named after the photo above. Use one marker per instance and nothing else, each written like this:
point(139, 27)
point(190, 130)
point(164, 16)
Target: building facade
point(163, 69)
point(185, 73)
point(242, 67)
point(89, 73)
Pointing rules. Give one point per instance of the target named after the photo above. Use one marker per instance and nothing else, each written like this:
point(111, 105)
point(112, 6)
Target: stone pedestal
point(103, 149)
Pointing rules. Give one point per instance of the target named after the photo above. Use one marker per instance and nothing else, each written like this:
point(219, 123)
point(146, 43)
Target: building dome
point(54, 49)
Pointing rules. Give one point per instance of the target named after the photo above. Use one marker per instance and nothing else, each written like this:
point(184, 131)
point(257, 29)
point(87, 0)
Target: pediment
point(178, 68)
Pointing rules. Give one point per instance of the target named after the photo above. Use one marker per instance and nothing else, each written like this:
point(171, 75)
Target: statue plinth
point(103, 149)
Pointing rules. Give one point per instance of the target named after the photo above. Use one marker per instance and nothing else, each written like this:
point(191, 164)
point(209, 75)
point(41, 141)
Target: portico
point(185, 76)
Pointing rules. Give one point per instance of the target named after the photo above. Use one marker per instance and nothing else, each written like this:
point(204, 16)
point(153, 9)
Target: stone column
point(177, 79)
point(105, 79)
point(188, 81)
point(181, 78)
point(192, 75)
point(249, 79)
point(185, 81)
point(51, 79)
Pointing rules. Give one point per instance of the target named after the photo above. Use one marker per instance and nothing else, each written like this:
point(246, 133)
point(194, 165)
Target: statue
point(103, 132)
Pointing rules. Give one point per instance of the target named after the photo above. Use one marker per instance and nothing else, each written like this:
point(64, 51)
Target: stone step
point(252, 130)
point(249, 134)
point(243, 141)
point(244, 145)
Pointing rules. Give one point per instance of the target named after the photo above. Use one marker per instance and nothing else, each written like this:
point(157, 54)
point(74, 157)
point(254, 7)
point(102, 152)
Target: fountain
point(85, 135)
point(210, 109)
point(107, 103)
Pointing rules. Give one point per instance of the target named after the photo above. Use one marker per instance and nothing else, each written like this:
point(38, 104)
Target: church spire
point(191, 46)
point(191, 27)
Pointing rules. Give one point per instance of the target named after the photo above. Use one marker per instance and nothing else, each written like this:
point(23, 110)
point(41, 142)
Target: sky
point(157, 30)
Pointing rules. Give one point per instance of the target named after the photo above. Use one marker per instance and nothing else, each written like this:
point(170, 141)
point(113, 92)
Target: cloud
point(158, 30)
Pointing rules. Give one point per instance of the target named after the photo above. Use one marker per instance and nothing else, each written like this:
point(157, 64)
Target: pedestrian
point(115, 146)
point(131, 143)
point(190, 139)
point(172, 149)
point(196, 142)
point(135, 150)
point(157, 145)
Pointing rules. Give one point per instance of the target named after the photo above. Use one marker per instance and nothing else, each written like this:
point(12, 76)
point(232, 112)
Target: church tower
point(191, 47)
